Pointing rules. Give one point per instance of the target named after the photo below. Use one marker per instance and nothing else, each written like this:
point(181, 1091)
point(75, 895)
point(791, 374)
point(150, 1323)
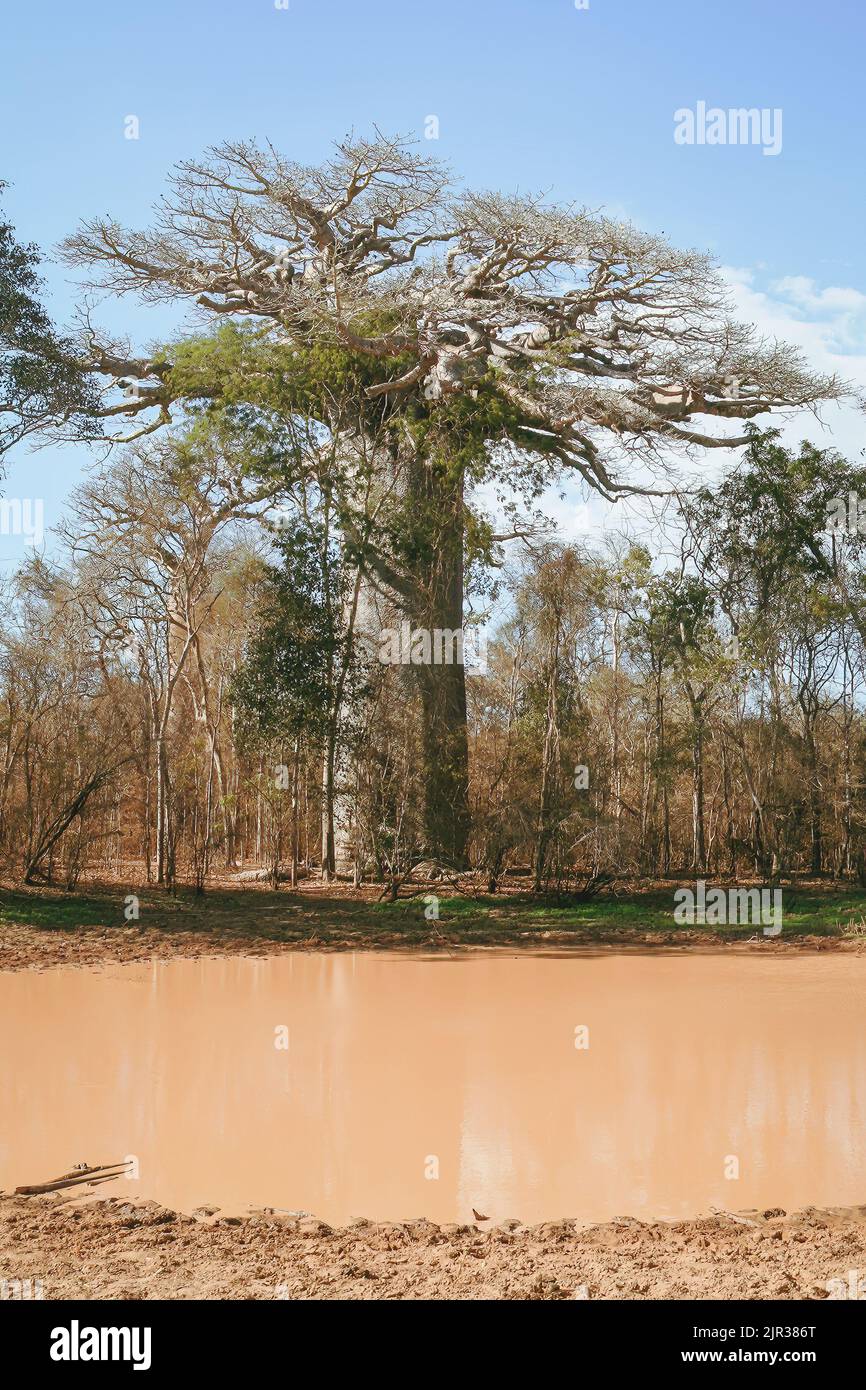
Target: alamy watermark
point(729, 906)
point(438, 646)
point(20, 1290)
point(738, 125)
point(77, 1343)
point(23, 516)
point(853, 1287)
point(846, 515)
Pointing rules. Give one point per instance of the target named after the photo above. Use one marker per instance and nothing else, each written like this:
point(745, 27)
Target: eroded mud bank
point(114, 1250)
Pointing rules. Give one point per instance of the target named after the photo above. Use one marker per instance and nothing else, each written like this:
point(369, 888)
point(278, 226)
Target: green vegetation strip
point(812, 912)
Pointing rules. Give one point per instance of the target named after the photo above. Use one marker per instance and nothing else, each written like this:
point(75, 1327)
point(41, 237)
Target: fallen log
point(734, 1216)
point(74, 1179)
point(284, 874)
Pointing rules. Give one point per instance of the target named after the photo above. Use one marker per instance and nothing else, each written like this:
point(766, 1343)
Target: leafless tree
point(142, 538)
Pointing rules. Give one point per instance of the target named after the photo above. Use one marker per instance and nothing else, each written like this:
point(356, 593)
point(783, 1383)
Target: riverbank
point(106, 1249)
point(111, 1249)
point(112, 923)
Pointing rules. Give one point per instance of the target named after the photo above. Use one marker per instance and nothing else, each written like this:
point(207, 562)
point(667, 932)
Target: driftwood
point(284, 874)
point(100, 1173)
point(734, 1216)
point(298, 1214)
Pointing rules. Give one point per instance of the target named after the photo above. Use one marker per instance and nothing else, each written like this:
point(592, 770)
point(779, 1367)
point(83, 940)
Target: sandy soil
point(110, 1249)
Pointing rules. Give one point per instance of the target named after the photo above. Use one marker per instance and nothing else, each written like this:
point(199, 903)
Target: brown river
point(392, 1087)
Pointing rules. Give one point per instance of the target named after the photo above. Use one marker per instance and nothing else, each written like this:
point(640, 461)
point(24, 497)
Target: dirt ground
point(110, 1249)
point(29, 948)
point(46, 927)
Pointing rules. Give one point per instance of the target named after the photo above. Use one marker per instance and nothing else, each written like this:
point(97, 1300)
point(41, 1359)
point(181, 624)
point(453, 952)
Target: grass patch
point(54, 913)
point(805, 912)
point(336, 917)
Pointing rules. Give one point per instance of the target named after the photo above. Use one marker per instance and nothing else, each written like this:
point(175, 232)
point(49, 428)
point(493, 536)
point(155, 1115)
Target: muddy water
point(417, 1087)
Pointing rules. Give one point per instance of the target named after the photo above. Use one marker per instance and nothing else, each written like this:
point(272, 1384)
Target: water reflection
point(400, 1068)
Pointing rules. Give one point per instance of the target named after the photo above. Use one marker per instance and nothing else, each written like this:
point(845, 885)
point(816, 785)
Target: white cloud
point(829, 326)
point(832, 300)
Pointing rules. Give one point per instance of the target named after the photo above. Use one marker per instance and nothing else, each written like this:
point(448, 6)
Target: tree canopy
point(591, 337)
point(42, 381)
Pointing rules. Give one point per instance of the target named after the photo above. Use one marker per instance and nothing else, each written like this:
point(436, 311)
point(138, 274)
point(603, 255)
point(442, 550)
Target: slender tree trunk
point(161, 808)
point(338, 804)
point(729, 812)
point(296, 824)
point(148, 815)
point(699, 848)
point(847, 797)
point(548, 765)
point(615, 770)
point(816, 834)
point(662, 775)
point(329, 868)
point(699, 834)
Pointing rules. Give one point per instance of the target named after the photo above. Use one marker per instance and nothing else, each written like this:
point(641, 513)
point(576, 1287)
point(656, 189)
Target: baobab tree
point(470, 335)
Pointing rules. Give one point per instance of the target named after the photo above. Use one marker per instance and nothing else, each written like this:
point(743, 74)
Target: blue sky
point(536, 95)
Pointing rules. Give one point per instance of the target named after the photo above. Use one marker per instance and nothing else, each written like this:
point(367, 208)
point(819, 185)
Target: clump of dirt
point(114, 1249)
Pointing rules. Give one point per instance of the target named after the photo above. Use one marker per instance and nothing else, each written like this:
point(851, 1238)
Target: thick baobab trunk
point(296, 819)
point(436, 497)
point(445, 749)
point(343, 817)
point(425, 587)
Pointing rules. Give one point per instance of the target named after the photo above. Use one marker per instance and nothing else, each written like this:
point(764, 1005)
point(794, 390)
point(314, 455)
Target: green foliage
point(40, 379)
point(248, 370)
point(283, 686)
point(762, 540)
point(680, 615)
point(276, 398)
point(768, 516)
